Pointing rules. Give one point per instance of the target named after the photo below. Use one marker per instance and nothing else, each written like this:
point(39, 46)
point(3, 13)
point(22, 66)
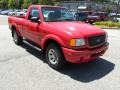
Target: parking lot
point(25, 68)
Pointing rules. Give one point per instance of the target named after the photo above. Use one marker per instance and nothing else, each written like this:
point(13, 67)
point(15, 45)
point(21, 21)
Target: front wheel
point(54, 56)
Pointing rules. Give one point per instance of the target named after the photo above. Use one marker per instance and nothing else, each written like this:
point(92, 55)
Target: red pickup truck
point(56, 32)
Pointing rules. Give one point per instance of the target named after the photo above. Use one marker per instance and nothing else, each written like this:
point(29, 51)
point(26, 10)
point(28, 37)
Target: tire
point(54, 56)
point(16, 38)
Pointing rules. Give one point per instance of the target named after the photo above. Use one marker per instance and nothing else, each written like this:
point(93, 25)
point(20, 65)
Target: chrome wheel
point(52, 56)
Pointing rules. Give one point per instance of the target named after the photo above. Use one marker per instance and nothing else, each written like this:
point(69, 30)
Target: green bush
point(108, 23)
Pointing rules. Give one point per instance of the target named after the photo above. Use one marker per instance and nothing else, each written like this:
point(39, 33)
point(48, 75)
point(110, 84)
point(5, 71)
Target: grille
point(96, 40)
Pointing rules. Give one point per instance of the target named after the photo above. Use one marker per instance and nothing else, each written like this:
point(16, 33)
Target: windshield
point(52, 14)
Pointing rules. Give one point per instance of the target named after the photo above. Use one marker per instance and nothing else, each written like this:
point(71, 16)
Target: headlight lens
point(77, 42)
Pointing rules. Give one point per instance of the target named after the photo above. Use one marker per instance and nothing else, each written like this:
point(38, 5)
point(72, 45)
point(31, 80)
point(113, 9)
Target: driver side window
point(34, 12)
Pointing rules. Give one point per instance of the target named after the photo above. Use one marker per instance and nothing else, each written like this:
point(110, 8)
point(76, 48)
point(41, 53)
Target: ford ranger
point(55, 31)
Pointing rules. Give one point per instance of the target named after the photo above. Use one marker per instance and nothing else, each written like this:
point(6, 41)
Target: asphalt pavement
point(25, 68)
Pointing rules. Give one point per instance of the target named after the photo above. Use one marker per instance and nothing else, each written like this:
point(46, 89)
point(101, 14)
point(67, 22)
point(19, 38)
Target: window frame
point(29, 16)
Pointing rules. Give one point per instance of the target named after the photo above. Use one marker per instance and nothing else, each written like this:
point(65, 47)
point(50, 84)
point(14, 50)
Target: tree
point(12, 4)
point(19, 3)
point(34, 1)
point(0, 3)
point(3, 3)
point(46, 2)
point(26, 4)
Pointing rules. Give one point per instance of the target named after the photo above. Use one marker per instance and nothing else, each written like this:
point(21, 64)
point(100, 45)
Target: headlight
point(77, 42)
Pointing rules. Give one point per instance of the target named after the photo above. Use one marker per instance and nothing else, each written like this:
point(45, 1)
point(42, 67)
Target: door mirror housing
point(35, 19)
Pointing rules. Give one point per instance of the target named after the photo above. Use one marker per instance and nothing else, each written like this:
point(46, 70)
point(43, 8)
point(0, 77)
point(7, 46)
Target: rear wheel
point(16, 38)
point(54, 56)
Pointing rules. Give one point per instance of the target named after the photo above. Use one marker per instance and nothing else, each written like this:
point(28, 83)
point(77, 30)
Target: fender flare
point(16, 28)
point(54, 38)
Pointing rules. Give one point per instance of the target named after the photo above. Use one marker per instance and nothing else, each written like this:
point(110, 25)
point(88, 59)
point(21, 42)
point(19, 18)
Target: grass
point(107, 24)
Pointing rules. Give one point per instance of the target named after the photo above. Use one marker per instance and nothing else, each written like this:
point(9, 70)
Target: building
point(90, 4)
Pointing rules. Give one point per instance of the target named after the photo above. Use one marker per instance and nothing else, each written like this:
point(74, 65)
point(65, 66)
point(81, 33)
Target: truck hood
point(77, 29)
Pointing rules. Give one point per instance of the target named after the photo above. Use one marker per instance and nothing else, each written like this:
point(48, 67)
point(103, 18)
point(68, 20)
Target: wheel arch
point(13, 27)
point(56, 40)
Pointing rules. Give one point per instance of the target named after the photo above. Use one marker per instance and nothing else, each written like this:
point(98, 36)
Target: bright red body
point(61, 32)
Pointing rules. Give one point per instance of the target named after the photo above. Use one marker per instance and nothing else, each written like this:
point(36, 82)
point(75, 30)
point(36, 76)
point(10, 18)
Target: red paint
point(60, 32)
point(85, 55)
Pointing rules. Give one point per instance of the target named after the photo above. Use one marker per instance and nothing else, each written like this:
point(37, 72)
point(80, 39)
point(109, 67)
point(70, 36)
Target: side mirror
point(35, 19)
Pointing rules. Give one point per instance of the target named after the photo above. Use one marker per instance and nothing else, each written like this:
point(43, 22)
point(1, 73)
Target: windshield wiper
point(57, 20)
point(53, 20)
point(69, 19)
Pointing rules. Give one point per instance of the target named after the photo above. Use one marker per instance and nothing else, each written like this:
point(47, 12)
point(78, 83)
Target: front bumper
point(82, 56)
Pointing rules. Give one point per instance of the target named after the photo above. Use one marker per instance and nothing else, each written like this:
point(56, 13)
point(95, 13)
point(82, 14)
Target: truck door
point(31, 29)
